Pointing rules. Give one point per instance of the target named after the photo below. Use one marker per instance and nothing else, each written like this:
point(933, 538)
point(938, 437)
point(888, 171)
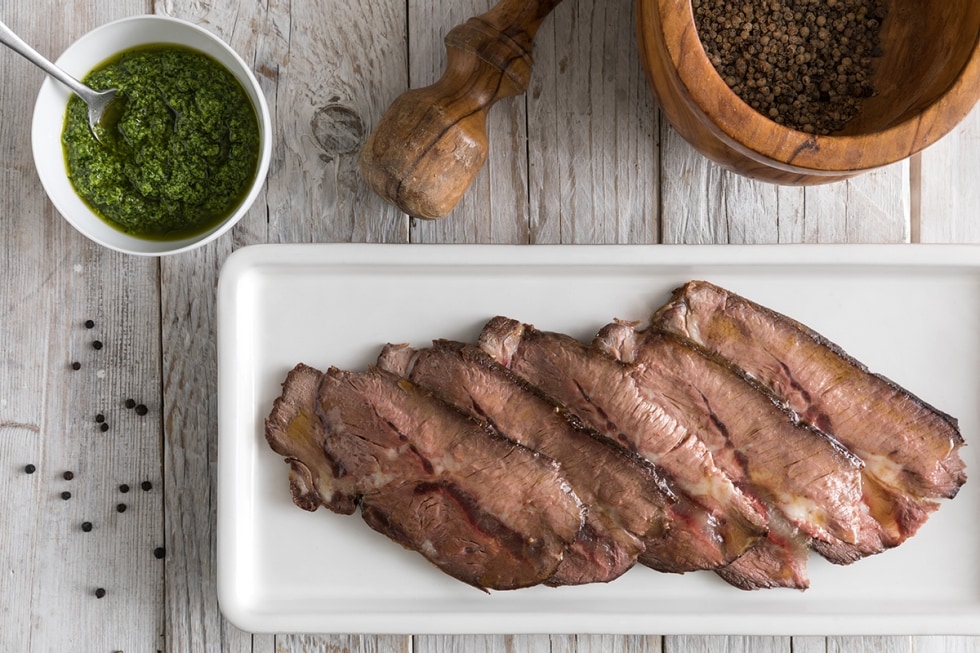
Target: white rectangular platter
point(910, 312)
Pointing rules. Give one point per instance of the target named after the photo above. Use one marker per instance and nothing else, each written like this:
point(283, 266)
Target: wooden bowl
point(927, 80)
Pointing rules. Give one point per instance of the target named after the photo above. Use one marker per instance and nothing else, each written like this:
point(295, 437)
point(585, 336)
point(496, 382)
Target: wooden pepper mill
point(432, 141)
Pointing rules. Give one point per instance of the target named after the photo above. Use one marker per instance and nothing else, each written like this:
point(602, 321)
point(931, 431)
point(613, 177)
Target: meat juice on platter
point(721, 437)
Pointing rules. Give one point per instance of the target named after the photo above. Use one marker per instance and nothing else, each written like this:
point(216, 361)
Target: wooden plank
point(481, 644)
point(809, 644)
point(731, 644)
point(869, 645)
point(330, 69)
point(342, 644)
point(495, 207)
point(190, 430)
point(28, 363)
point(948, 209)
point(264, 643)
point(871, 208)
point(54, 280)
point(702, 203)
point(940, 644)
point(593, 130)
point(606, 644)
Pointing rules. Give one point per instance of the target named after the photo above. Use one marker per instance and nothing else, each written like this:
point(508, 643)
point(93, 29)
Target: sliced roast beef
point(909, 448)
point(483, 509)
point(626, 502)
point(293, 430)
point(778, 560)
point(724, 436)
point(719, 521)
point(811, 479)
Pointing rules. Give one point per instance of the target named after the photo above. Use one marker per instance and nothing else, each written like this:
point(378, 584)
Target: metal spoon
point(104, 107)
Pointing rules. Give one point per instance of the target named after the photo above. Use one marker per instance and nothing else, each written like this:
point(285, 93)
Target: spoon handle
point(15, 43)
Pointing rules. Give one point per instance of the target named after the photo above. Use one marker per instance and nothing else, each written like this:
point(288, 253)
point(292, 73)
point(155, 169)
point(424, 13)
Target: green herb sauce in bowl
point(184, 151)
point(190, 151)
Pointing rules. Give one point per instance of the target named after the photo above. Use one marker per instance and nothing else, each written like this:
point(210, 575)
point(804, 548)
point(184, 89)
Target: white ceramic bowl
point(78, 60)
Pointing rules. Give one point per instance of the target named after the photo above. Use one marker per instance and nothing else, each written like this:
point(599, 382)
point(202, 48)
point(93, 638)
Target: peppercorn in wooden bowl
point(811, 91)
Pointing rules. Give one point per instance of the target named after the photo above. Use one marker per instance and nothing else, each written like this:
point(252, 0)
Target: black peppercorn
point(124, 488)
point(99, 593)
point(100, 418)
point(29, 468)
point(800, 63)
point(104, 427)
point(121, 507)
point(89, 324)
point(66, 495)
point(159, 552)
point(146, 485)
point(97, 344)
point(68, 476)
point(87, 526)
point(141, 409)
point(130, 403)
point(76, 366)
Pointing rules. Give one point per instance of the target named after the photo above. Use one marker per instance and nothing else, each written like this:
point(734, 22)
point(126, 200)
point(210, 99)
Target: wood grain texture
point(482, 644)
point(329, 69)
point(704, 203)
point(606, 644)
point(582, 157)
point(948, 209)
point(53, 281)
point(538, 644)
point(342, 644)
point(719, 644)
point(936, 644)
point(869, 644)
point(809, 644)
point(593, 130)
point(495, 206)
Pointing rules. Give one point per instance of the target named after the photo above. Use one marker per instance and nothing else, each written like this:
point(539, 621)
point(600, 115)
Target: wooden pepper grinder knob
point(432, 141)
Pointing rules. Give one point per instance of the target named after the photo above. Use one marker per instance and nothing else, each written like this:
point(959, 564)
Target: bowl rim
point(736, 123)
point(52, 100)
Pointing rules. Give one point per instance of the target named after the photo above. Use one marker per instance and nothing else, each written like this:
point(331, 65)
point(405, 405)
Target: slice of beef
point(481, 508)
point(909, 448)
point(626, 501)
point(294, 431)
point(811, 479)
point(716, 521)
point(778, 560)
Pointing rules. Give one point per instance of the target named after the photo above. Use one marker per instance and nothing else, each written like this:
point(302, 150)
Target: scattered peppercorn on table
point(108, 419)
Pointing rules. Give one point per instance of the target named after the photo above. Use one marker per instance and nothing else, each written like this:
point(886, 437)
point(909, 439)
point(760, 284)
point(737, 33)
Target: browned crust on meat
point(901, 482)
point(294, 431)
point(705, 537)
point(624, 510)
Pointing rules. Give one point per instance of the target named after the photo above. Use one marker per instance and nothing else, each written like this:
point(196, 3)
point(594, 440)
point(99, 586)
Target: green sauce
point(185, 150)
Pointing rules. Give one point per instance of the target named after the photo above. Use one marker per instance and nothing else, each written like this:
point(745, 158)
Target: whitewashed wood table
point(583, 158)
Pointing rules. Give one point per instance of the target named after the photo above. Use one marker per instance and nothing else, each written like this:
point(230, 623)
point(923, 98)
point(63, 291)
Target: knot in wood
point(338, 129)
